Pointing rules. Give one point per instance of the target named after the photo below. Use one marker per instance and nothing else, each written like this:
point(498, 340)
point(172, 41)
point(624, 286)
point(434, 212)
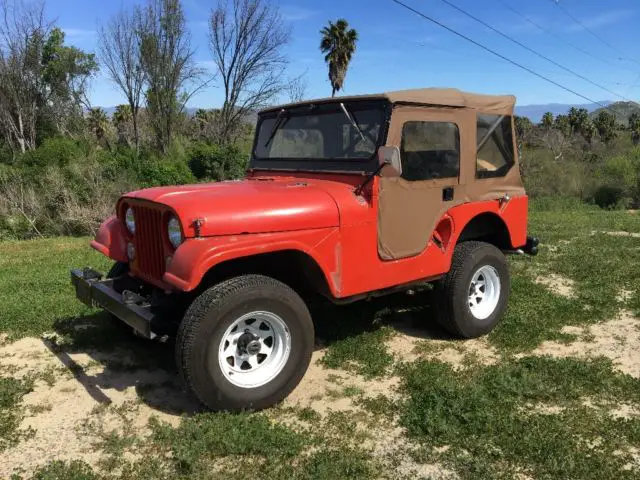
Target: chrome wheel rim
point(484, 292)
point(254, 349)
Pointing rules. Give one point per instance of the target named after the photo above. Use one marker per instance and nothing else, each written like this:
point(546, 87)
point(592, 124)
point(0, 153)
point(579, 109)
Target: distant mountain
point(535, 112)
point(622, 111)
point(109, 110)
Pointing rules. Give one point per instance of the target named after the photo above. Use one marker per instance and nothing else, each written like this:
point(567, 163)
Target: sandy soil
point(558, 284)
point(79, 398)
point(617, 339)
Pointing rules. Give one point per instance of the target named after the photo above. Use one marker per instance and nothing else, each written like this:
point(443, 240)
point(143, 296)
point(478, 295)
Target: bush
point(154, 171)
point(215, 162)
point(611, 197)
point(548, 177)
point(619, 181)
point(56, 151)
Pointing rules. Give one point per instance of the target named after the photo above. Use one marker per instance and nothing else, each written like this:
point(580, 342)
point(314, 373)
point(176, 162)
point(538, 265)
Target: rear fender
point(196, 256)
point(512, 212)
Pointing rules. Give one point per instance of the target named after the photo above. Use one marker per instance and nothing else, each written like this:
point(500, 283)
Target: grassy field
point(553, 392)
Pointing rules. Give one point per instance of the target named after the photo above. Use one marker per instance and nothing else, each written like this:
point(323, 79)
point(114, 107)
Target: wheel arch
point(295, 268)
point(487, 227)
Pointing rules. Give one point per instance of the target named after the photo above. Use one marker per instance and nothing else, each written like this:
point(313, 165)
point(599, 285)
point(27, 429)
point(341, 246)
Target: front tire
point(245, 343)
point(474, 293)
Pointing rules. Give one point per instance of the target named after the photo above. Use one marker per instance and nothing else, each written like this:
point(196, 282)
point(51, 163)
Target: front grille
point(150, 262)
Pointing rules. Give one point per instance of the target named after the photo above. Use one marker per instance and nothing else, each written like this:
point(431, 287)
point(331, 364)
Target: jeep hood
point(247, 206)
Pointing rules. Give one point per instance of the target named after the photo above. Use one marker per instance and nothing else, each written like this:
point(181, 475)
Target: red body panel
point(262, 205)
point(111, 239)
point(319, 215)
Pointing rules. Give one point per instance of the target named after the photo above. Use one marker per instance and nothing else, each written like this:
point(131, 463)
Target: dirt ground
point(78, 397)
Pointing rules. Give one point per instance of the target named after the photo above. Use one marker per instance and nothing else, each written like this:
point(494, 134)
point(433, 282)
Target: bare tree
point(22, 33)
point(168, 64)
point(247, 41)
point(120, 54)
point(297, 89)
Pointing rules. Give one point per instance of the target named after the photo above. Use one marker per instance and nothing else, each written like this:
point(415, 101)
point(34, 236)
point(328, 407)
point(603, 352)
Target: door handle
point(447, 194)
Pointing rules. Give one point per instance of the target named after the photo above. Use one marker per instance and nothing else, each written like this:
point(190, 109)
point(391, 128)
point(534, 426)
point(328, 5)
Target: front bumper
point(131, 308)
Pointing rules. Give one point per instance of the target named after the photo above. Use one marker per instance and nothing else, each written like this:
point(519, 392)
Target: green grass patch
point(365, 354)
point(222, 434)
point(58, 470)
point(36, 286)
point(534, 315)
point(483, 415)
point(11, 393)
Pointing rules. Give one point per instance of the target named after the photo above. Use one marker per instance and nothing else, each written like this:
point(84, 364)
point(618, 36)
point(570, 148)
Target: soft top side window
point(495, 155)
point(430, 150)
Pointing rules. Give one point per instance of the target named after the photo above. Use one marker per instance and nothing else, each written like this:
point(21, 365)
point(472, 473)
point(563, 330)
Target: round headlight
point(130, 220)
point(174, 232)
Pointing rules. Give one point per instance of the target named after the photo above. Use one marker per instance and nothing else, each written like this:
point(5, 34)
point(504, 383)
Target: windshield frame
point(360, 165)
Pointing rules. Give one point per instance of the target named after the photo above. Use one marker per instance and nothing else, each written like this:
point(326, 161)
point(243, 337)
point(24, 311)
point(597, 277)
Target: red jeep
point(348, 197)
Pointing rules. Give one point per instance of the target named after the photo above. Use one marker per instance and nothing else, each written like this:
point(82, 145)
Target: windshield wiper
point(352, 121)
point(276, 125)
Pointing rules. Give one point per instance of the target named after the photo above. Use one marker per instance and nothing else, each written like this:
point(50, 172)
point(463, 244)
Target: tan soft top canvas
point(446, 97)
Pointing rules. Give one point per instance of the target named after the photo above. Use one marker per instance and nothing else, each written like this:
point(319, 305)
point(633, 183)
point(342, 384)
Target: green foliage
point(488, 415)
point(338, 43)
point(365, 354)
point(222, 434)
point(621, 181)
point(621, 110)
point(154, 170)
point(215, 162)
point(605, 122)
point(54, 152)
point(610, 197)
point(59, 470)
point(11, 392)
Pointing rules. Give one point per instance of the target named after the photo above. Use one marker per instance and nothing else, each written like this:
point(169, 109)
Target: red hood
point(249, 206)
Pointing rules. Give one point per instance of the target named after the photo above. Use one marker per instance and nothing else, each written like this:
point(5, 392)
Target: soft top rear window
point(349, 131)
point(495, 154)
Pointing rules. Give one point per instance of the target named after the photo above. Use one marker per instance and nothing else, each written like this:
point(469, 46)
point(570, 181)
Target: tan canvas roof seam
point(446, 97)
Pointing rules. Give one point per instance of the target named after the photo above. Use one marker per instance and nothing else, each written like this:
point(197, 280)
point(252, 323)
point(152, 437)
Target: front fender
point(111, 240)
point(196, 256)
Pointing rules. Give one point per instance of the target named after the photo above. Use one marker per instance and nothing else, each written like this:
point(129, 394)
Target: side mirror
point(390, 156)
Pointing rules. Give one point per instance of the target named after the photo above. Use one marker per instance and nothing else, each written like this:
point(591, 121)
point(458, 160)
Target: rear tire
point(245, 343)
point(473, 294)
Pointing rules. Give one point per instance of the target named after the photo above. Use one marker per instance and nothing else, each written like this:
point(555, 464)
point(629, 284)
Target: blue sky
point(398, 49)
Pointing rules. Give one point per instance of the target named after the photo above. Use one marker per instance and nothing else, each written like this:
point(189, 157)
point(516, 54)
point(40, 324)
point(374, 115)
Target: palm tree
point(122, 120)
point(338, 44)
point(547, 120)
point(97, 122)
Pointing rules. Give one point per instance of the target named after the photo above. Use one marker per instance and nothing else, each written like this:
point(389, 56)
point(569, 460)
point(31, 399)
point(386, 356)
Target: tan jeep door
point(430, 141)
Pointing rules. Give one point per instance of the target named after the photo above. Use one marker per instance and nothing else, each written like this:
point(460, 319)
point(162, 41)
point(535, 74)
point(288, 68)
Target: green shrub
point(153, 171)
point(611, 197)
point(547, 177)
point(216, 162)
point(56, 151)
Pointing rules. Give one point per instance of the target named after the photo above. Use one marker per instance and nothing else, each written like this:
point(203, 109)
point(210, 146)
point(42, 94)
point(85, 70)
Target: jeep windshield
point(322, 136)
